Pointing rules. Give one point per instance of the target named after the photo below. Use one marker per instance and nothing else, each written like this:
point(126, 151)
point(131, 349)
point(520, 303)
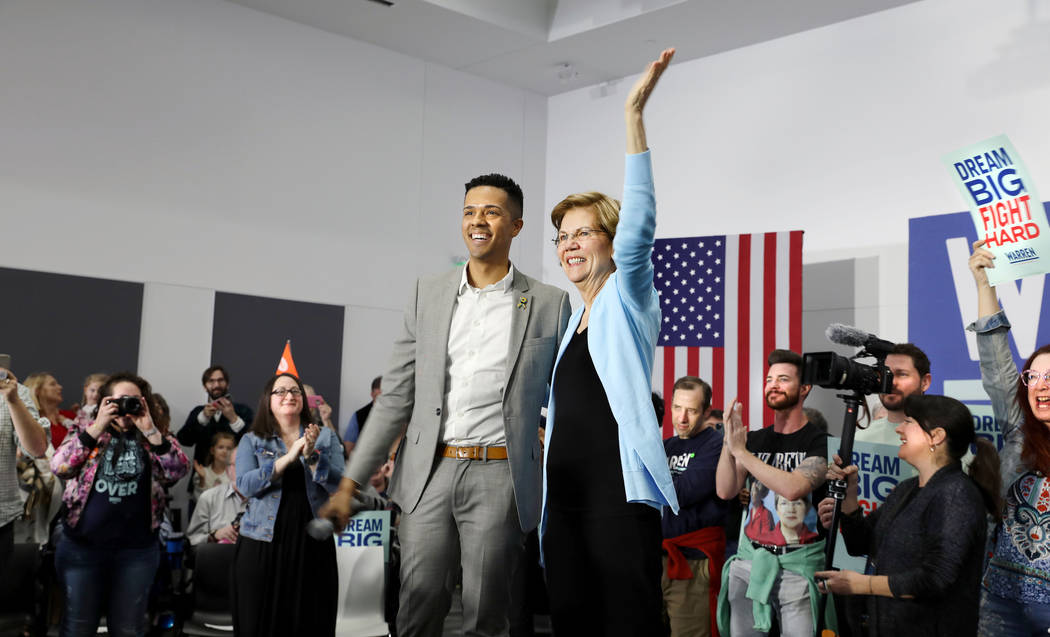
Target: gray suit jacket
point(414, 390)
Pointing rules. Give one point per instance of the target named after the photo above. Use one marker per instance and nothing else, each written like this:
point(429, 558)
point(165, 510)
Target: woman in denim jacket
point(115, 471)
point(285, 582)
point(1015, 595)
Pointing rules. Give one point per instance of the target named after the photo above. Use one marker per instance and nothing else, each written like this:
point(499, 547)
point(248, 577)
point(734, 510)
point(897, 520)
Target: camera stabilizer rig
point(830, 370)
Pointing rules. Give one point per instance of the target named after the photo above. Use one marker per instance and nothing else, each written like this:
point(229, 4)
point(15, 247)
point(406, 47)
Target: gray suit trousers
point(467, 509)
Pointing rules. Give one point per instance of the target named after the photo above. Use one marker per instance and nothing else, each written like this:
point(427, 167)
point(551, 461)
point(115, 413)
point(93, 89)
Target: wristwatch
point(313, 457)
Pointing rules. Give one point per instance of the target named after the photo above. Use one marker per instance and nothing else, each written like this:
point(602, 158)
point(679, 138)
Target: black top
point(117, 512)
point(200, 436)
point(929, 541)
point(583, 453)
point(786, 452)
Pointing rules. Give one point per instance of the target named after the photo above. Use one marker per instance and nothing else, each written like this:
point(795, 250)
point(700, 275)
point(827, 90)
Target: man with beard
point(218, 414)
point(769, 573)
point(911, 375)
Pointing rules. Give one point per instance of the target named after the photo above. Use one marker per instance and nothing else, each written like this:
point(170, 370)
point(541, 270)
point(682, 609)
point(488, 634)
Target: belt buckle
point(463, 453)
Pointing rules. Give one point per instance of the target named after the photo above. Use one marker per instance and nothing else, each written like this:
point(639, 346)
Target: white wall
point(837, 131)
point(203, 145)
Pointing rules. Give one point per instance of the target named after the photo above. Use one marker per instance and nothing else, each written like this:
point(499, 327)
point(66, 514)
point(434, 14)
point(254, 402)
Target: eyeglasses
point(281, 391)
point(1031, 377)
point(582, 234)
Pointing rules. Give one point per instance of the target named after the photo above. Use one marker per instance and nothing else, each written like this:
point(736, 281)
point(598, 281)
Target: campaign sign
point(880, 470)
point(1005, 206)
point(942, 301)
point(367, 528)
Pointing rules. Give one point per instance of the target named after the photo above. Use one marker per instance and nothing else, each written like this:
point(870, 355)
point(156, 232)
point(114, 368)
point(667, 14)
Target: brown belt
point(473, 453)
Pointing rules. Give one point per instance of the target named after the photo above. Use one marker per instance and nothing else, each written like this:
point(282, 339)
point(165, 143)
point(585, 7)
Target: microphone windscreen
point(846, 335)
point(320, 528)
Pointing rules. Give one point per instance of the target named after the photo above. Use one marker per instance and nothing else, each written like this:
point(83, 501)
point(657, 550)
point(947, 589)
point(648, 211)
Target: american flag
point(727, 302)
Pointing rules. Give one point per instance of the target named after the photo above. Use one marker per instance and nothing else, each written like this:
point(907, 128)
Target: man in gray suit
point(469, 374)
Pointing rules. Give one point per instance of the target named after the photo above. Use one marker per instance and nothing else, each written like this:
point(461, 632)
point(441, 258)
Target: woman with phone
point(116, 470)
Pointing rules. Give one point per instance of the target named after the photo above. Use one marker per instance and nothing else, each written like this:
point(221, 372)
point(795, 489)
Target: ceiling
point(527, 43)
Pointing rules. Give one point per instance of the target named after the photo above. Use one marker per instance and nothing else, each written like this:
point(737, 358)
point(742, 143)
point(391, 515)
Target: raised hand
point(637, 99)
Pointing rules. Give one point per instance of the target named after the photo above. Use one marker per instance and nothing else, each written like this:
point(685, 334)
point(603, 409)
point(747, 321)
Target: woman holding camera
point(926, 543)
point(116, 470)
point(285, 582)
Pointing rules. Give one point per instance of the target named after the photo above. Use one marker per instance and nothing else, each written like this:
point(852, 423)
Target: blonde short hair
point(606, 209)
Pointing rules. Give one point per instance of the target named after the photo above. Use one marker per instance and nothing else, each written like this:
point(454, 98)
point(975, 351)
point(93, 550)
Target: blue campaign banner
point(367, 528)
point(879, 471)
point(942, 301)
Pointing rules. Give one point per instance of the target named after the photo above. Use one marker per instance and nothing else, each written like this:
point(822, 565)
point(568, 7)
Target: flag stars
point(692, 273)
point(709, 289)
point(692, 254)
point(692, 290)
point(718, 279)
point(708, 308)
point(685, 245)
point(659, 257)
point(718, 243)
point(709, 253)
point(691, 327)
point(674, 328)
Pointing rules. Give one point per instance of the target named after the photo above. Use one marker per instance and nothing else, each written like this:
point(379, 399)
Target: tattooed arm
point(793, 485)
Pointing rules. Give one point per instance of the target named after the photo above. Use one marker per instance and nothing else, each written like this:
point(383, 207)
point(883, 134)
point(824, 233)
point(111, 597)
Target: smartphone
point(5, 362)
point(314, 401)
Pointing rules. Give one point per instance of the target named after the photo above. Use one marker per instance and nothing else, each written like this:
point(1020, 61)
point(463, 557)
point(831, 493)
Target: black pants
point(7, 544)
point(603, 572)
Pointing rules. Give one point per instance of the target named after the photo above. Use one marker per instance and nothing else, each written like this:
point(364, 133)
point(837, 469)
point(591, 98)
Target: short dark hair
point(918, 357)
point(377, 383)
point(211, 370)
point(265, 424)
point(786, 356)
point(815, 416)
point(690, 383)
point(161, 414)
point(504, 183)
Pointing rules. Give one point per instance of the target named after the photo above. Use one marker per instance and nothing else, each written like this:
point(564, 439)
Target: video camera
point(831, 370)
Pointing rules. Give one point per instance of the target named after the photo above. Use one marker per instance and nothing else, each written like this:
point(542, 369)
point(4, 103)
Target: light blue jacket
point(621, 335)
point(255, 459)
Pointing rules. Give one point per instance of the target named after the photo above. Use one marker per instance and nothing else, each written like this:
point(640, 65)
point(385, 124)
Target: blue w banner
point(942, 301)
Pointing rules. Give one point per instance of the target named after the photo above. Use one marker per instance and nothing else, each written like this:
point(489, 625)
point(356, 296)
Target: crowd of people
point(718, 529)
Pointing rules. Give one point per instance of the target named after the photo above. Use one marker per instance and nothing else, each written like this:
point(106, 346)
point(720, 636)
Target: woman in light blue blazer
point(605, 472)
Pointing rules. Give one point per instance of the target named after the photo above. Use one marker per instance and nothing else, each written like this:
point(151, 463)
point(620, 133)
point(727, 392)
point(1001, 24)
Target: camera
point(127, 405)
point(828, 369)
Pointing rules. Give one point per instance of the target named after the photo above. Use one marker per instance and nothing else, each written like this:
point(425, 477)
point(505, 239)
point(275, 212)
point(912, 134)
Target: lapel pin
point(523, 302)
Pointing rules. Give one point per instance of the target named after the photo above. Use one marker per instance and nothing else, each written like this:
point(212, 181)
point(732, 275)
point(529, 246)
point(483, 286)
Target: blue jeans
point(111, 581)
point(1001, 617)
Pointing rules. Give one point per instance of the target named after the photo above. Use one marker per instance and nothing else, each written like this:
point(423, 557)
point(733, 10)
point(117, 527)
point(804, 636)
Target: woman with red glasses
point(1015, 591)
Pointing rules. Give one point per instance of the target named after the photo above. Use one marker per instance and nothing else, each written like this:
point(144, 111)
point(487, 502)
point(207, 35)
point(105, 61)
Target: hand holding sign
point(1005, 207)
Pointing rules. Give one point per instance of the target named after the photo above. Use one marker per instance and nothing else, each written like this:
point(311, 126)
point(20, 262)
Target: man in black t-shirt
point(785, 467)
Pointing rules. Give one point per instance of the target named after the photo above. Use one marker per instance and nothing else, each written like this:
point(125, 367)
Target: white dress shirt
point(216, 508)
point(478, 341)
